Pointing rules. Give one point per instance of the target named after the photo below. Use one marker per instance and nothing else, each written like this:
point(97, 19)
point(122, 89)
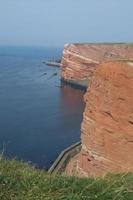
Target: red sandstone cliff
point(107, 128)
point(79, 61)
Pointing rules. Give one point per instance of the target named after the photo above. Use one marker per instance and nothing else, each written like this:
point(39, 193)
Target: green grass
point(20, 181)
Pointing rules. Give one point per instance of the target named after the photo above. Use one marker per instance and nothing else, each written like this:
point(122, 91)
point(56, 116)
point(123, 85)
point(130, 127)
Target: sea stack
point(107, 127)
point(79, 61)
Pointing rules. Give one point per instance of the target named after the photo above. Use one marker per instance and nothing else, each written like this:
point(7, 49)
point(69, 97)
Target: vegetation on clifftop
point(20, 181)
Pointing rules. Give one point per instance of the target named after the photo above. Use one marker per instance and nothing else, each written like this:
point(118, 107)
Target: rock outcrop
point(107, 127)
point(79, 61)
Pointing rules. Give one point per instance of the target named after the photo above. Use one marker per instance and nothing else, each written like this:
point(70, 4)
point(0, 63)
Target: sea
point(39, 117)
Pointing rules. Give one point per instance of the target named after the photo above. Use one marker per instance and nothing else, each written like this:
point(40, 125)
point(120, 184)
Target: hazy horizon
point(53, 23)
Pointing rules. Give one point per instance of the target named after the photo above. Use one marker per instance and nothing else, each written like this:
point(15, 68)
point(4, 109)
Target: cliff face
point(79, 61)
point(107, 128)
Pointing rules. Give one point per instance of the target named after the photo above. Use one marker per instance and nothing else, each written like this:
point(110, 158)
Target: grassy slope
point(20, 181)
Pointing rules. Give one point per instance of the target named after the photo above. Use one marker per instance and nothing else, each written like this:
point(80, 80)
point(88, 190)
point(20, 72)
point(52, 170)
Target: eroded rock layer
point(79, 61)
point(107, 128)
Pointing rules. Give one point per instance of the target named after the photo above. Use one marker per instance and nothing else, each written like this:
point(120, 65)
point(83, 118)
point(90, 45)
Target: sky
point(57, 22)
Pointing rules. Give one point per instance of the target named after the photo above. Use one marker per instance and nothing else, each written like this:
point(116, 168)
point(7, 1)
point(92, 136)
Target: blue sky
point(56, 22)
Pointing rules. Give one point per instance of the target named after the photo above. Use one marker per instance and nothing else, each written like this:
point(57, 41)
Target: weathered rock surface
point(79, 61)
point(107, 128)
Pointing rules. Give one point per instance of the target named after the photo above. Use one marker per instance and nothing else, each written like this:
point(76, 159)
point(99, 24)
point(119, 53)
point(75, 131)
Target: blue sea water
point(38, 118)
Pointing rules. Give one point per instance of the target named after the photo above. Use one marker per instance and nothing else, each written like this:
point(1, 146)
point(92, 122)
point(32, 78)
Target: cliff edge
point(107, 127)
point(79, 61)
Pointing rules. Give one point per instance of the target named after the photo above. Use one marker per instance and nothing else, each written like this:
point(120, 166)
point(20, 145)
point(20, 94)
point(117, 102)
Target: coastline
point(77, 84)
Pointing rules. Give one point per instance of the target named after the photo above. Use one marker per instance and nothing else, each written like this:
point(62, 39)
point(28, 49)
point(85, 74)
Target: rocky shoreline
point(56, 63)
